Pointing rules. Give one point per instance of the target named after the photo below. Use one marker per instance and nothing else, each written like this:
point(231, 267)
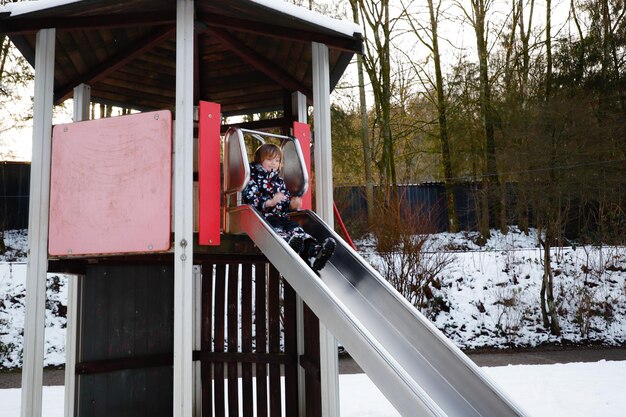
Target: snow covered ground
point(565, 390)
point(488, 298)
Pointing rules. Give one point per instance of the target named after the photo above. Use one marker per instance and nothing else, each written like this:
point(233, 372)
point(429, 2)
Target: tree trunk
point(367, 152)
point(490, 175)
point(4, 52)
point(378, 67)
point(453, 221)
point(548, 307)
point(5, 43)
point(548, 49)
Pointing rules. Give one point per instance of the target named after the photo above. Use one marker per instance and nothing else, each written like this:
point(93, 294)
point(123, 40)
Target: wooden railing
point(253, 336)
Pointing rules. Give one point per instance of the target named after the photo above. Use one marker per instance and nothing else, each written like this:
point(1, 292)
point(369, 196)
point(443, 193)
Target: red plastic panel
point(209, 174)
point(111, 185)
point(302, 132)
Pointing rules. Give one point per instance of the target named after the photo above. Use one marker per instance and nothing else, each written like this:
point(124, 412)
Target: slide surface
point(411, 362)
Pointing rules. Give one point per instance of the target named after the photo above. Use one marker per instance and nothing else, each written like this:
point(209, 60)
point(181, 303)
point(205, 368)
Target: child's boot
point(297, 243)
point(326, 251)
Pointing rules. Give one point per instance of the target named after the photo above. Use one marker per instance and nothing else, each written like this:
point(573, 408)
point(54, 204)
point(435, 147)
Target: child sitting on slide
point(266, 191)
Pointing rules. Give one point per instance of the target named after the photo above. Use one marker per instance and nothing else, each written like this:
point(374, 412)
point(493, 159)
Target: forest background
point(524, 100)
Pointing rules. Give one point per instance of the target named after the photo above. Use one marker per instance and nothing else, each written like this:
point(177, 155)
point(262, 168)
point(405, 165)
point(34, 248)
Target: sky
point(457, 39)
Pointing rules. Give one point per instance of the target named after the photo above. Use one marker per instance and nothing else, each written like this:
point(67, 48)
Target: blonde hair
point(267, 151)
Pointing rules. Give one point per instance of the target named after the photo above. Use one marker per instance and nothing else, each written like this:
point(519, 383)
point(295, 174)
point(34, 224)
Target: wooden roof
point(249, 55)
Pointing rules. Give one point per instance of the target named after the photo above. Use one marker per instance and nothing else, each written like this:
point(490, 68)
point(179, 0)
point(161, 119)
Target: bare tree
point(367, 149)
point(492, 207)
point(377, 62)
point(429, 37)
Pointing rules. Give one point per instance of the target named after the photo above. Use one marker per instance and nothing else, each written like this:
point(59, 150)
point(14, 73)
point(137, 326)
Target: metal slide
point(411, 362)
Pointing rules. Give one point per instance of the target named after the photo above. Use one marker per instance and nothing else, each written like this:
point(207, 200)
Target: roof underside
point(248, 56)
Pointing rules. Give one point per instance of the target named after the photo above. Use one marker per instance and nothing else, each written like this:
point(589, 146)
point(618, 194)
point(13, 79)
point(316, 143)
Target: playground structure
point(163, 320)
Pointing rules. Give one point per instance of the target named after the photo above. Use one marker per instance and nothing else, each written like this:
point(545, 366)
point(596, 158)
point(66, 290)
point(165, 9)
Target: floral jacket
point(263, 185)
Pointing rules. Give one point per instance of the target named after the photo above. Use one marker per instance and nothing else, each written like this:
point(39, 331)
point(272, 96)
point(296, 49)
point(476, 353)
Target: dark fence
point(14, 191)
point(424, 200)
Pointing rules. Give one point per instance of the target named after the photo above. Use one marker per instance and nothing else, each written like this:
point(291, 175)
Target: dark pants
point(286, 229)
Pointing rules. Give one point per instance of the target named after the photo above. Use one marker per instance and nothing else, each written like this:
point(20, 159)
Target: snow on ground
point(487, 296)
point(572, 390)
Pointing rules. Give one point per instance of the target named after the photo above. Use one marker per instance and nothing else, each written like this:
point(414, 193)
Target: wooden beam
point(18, 26)
point(120, 364)
point(253, 58)
point(244, 357)
point(107, 67)
point(280, 32)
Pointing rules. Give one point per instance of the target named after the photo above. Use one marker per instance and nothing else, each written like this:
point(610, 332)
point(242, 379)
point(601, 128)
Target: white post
point(183, 212)
point(299, 111)
point(82, 98)
point(329, 365)
point(299, 108)
point(32, 372)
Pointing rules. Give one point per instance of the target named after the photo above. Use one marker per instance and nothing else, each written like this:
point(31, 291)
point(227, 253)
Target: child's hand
point(278, 197)
point(296, 203)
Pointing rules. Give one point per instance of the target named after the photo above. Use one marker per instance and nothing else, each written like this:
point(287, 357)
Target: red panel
point(209, 174)
point(111, 185)
point(302, 132)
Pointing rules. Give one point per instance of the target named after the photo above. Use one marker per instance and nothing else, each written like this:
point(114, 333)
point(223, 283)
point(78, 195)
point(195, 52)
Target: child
point(266, 191)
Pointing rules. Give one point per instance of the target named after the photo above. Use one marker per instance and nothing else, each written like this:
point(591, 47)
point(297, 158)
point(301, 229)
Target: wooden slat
point(261, 340)
point(89, 75)
point(233, 333)
point(273, 317)
point(206, 338)
point(246, 339)
point(125, 368)
point(218, 368)
point(311, 363)
point(291, 349)
point(260, 62)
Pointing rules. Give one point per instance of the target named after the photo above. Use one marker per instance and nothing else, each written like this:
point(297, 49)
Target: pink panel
point(209, 174)
point(302, 132)
point(111, 185)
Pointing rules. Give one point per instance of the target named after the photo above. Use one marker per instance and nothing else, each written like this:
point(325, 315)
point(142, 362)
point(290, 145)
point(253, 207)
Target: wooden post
point(183, 212)
point(32, 372)
point(82, 98)
point(329, 366)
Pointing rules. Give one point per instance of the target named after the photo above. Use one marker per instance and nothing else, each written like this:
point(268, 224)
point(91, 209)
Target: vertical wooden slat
point(312, 357)
point(206, 338)
point(142, 281)
point(291, 348)
point(273, 316)
point(246, 338)
point(233, 333)
point(103, 286)
point(261, 340)
point(218, 368)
